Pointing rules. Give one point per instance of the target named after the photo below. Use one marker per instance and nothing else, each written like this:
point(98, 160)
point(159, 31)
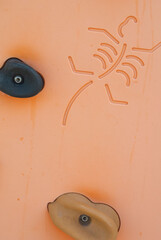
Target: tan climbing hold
point(83, 219)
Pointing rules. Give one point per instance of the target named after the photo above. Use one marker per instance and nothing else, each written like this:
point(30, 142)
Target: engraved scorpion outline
point(111, 61)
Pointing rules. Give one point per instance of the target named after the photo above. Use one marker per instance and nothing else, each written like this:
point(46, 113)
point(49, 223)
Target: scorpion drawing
point(116, 60)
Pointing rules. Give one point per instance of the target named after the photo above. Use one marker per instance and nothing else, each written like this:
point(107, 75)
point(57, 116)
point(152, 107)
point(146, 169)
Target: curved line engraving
point(132, 67)
point(116, 63)
point(111, 98)
point(101, 59)
point(110, 46)
point(120, 27)
point(78, 71)
point(136, 58)
point(106, 54)
point(104, 31)
point(150, 50)
point(126, 76)
point(73, 99)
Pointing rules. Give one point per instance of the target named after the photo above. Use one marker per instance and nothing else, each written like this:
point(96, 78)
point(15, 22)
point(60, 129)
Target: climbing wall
point(95, 128)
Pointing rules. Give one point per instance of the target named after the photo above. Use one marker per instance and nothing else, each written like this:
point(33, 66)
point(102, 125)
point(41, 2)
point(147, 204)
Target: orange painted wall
point(106, 150)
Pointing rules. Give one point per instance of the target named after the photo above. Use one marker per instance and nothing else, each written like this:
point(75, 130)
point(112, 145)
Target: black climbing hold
point(18, 79)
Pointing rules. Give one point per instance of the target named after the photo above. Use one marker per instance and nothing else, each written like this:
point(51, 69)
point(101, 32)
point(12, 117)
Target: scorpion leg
point(150, 50)
point(78, 71)
point(111, 97)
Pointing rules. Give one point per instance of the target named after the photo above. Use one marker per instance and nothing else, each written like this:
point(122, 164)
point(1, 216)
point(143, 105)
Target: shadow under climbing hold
point(18, 79)
point(83, 219)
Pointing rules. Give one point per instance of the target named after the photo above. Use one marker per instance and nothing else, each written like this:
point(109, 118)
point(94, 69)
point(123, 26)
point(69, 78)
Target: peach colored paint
point(91, 130)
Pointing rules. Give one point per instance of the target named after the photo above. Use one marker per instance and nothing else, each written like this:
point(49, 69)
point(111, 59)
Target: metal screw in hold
point(84, 220)
point(18, 79)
